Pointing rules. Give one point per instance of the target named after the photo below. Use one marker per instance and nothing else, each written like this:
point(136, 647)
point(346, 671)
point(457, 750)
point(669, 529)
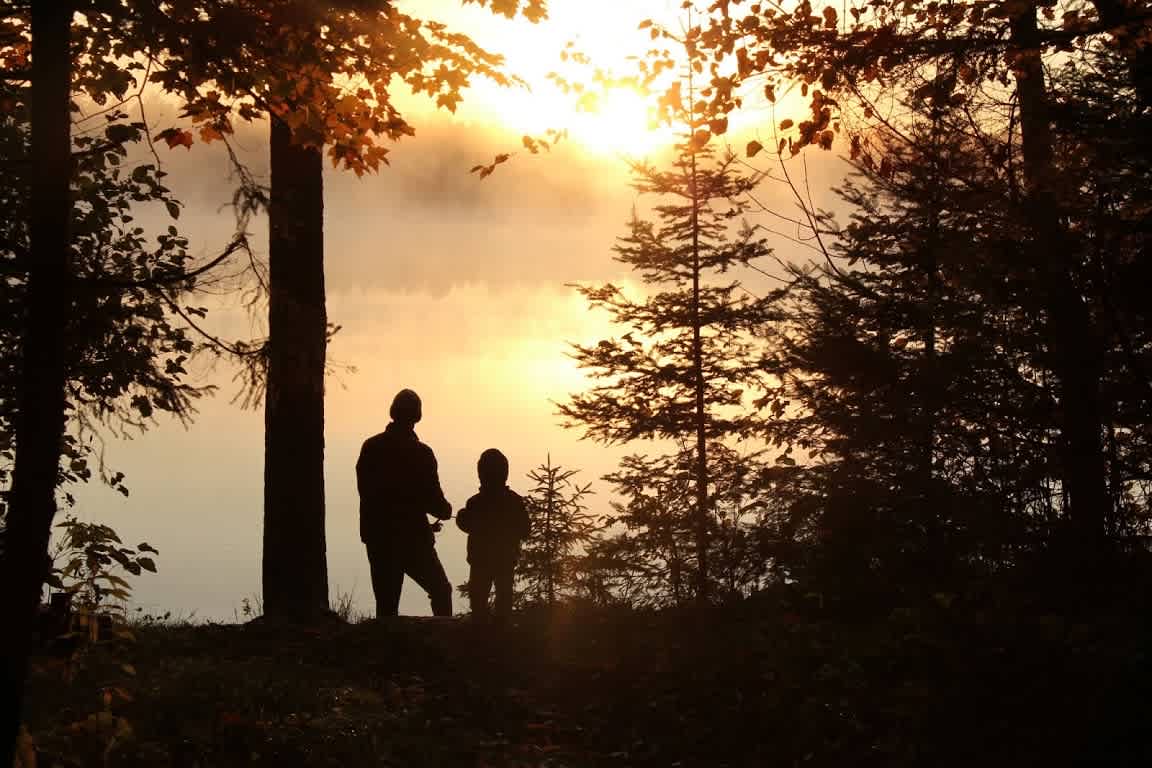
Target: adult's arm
point(433, 495)
point(523, 522)
point(361, 472)
point(365, 482)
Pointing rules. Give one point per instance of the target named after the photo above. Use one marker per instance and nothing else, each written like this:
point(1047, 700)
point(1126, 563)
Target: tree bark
point(40, 416)
point(295, 569)
point(1073, 345)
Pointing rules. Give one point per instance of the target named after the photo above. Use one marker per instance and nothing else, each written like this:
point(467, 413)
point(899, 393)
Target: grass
point(343, 605)
point(777, 681)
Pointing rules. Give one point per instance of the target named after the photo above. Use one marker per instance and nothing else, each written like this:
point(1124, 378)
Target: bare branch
point(240, 242)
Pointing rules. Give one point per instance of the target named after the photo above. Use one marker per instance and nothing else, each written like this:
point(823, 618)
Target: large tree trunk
point(1073, 344)
point(295, 568)
point(40, 415)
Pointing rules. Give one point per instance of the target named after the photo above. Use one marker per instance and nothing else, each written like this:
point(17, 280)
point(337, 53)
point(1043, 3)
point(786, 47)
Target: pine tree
point(561, 527)
point(853, 58)
point(646, 554)
point(688, 367)
point(911, 354)
point(649, 558)
point(922, 352)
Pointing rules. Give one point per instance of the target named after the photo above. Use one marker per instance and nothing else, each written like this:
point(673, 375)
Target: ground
point(956, 682)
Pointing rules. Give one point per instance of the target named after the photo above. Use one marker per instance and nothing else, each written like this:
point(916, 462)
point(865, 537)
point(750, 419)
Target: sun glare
point(615, 122)
point(554, 376)
point(619, 123)
point(610, 122)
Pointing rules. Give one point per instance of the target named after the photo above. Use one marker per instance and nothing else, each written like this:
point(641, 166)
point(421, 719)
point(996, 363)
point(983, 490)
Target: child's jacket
point(496, 521)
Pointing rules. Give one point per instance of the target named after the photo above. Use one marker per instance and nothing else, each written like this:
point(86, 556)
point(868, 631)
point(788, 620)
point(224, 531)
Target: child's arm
point(464, 517)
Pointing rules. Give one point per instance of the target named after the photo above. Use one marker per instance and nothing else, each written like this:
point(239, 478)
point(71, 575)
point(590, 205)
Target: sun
point(618, 121)
point(609, 118)
point(611, 122)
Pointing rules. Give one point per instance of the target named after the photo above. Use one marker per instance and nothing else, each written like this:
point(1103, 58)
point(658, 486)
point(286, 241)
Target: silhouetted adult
point(399, 488)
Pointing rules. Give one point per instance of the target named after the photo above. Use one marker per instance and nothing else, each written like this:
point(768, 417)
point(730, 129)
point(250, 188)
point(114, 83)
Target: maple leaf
point(208, 133)
point(174, 137)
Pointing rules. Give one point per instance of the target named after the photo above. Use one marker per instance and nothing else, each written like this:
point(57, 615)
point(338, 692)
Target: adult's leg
point(423, 565)
point(504, 595)
point(387, 578)
point(479, 585)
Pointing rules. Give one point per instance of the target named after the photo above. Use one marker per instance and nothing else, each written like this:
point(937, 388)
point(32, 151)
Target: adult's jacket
point(399, 487)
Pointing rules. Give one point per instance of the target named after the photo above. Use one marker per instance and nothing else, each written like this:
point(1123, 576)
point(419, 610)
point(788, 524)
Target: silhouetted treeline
point(916, 432)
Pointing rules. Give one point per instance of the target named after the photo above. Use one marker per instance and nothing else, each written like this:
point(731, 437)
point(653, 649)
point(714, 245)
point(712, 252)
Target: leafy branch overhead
point(843, 58)
point(532, 10)
point(329, 73)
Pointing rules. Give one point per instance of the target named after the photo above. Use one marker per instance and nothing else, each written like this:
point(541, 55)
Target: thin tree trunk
point(930, 513)
point(929, 379)
point(295, 570)
point(40, 415)
point(698, 379)
point(698, 355)
point(1115, 482)
point(1073, 346)
point(550, 541)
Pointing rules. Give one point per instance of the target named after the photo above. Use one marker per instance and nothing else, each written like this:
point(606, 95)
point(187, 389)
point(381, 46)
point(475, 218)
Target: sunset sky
point(442, 283)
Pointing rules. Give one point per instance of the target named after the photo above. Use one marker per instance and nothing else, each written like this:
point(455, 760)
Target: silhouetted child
point(496, 521)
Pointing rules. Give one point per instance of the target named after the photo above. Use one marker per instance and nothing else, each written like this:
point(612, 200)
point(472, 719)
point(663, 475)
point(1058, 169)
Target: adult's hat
point(406, 407)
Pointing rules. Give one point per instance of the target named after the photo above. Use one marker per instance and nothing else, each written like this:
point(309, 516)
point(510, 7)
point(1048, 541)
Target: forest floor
point(959, 681)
